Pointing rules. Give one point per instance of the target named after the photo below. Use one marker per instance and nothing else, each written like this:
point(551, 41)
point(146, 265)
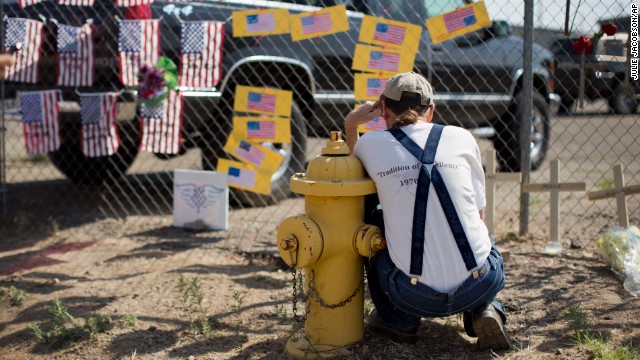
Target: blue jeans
point(400, 304)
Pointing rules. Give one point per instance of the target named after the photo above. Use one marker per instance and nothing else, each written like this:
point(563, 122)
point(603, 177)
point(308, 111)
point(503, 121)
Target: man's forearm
point(351, 133)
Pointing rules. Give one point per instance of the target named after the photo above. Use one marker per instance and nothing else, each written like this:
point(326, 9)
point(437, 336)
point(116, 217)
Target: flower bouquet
point(156, 81)
point(585, 44)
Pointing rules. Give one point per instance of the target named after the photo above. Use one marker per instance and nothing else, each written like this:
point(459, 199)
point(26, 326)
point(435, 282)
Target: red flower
point(609, 29)
point(583, 44)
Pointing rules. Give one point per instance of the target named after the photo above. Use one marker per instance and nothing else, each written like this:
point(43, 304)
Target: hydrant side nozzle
point(289, 243)
point(378, 243)
point(368, 240)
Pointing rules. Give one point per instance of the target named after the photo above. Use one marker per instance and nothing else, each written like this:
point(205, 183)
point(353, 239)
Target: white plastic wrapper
point(621, 248)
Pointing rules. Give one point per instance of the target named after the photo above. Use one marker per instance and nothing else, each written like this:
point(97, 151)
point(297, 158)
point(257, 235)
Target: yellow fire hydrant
point(329, 242)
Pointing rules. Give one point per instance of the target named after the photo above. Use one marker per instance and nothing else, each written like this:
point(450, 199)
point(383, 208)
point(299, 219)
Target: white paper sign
point(200, 195)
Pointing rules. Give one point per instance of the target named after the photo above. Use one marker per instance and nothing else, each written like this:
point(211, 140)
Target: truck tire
point(295, 155)
point(623, 100)
point(70, 160)
point(507, 139)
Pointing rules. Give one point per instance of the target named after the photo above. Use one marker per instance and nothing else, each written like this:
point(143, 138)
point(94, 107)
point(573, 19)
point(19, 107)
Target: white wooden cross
point(619, 192)
point(554, 247)
point(491, 178)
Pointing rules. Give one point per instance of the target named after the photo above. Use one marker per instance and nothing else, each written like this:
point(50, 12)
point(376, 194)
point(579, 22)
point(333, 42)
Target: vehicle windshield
point(438, 7)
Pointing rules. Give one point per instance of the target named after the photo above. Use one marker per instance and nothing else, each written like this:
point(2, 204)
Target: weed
point(577, 318)
point(13, 295)
point(605, 184)
point(238, 296)
point(280, 313)
point(367, 309)
point(129, 320)
point(65, 329)
point(191, 299)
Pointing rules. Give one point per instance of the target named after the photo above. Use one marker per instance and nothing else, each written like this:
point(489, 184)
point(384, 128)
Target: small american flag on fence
point(380, 60)
point(389, 33)
point(261, 102)
point(76, 2)
point(260, 22)
point(127, 3)
point(25, 3)
point(375, 87)
point(29, 34)
point(99, 132)
point(242, 177)
point(138, 43)
point(459, 19)
point(161, 124)
point(316, 23)
point(261, 129)
point(201, 53)
point(40, 121)
point(377, 124)
point(250, 153)
point(75, 55)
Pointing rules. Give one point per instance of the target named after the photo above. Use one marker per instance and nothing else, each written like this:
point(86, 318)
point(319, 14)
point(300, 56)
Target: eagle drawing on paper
point(199, 197)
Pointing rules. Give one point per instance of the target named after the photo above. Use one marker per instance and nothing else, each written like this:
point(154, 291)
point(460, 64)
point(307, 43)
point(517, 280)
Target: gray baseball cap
point(410, 82)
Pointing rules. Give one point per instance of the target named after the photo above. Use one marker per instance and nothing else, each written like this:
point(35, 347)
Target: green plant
point(191, 299)
point(605, 184)
point(13, 295)
point(65, 329)
point(129, 320)
point(238, 296)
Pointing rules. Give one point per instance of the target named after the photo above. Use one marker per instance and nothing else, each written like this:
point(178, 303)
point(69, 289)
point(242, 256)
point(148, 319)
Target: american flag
point(316, 23)
point(250, 153)
point(260, 22)
point(25, 3)
point(76, 2)
point(40, 121)
point(138, 43)
point(380, 60)
point(99, 133)
point(375, 87)
point(261, 102)
point(242, 177)
point(261, 129)
point(29, 34)
point(459, 19)
point(201, 53)
point(161, 125)
point(127, 3)
point(376, 124)
point(389, 33)
point(75, 55)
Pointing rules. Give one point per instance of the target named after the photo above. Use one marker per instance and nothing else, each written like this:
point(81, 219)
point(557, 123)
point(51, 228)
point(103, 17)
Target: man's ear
point(432, 109)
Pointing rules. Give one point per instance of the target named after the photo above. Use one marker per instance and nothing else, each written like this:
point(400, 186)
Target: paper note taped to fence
point(323, 22)
point(369, 86)
point(377, 124)
point(390, 33)
point(382, 60)
point(261, 129)
point(200, 195)
point(260, 22)
point(458, 22)
point(263, 100)
point(245, 177)
point(255, 154)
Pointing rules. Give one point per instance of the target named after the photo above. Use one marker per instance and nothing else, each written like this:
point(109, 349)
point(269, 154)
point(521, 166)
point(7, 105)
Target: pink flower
point(609, 29)
point(582, 45)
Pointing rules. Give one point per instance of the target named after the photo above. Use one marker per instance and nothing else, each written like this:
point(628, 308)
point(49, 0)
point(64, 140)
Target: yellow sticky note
point(458, 22)
point(263, 100)
point(245, 177)
point(369, 86)
point(390, 33)
point(255, 154)
point(261, 129)
point(382, 60)
point(329, 20)
point(377, 124)
point(260, 22)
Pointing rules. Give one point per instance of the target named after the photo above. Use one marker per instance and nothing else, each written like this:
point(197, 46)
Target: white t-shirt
point(395, 172)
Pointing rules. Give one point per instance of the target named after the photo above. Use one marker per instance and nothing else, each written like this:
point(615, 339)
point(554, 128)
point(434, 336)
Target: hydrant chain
point(332, 306)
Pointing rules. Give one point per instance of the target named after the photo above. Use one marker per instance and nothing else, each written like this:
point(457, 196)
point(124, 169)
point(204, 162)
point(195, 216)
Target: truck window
point(438, 7)
point(353, 5)
point(411, 11)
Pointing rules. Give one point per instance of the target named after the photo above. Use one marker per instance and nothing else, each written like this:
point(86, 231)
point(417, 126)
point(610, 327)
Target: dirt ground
point(120, 266)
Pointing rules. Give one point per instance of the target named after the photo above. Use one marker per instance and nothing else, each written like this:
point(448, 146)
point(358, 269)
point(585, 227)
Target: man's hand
point(6, 60)
point(362, 115)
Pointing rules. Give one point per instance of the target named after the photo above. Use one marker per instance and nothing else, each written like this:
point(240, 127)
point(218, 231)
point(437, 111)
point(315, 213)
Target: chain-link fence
point(477, 79)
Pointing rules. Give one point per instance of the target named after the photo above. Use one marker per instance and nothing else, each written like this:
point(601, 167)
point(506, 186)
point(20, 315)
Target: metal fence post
point(525, 126)
point(3, 130)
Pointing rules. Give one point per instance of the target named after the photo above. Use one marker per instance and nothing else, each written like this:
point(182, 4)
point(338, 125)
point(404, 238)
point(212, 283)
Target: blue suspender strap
point(429, 173)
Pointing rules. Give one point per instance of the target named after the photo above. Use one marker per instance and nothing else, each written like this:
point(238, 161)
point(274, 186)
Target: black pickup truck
point(476, 77)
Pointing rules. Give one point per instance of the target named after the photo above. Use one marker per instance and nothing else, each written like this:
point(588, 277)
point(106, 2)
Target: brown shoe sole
point(490, 331)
